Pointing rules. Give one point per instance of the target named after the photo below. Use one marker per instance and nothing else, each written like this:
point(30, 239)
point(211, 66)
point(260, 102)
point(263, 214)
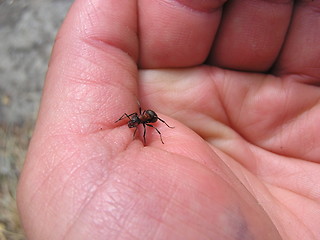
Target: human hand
point(243, 159)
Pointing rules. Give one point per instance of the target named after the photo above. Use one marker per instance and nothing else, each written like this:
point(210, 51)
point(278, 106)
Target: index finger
point(177, 33)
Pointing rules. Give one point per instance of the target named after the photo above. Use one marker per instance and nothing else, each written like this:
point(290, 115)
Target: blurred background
point(27, 32)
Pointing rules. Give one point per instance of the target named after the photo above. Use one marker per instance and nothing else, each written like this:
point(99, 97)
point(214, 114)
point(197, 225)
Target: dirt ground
point(27, 32)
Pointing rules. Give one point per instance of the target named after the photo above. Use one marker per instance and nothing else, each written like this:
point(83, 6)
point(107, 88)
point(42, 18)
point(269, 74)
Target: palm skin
point(243, 159)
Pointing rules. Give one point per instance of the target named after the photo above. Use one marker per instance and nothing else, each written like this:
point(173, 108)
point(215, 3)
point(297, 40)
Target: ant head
point(134, 122)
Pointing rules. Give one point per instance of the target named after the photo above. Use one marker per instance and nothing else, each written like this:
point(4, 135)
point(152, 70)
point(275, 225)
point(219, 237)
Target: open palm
point(243, 159)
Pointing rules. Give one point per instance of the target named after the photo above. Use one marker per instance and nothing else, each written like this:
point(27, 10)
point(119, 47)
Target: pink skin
point(243, 159)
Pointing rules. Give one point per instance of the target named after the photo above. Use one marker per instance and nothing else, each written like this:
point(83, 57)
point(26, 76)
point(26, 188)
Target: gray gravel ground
point(27, 31)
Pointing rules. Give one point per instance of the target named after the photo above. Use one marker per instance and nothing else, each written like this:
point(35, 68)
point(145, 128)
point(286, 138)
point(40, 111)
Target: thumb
point(93, 63)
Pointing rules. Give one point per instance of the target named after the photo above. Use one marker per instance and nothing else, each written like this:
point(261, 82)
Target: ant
point(144, 118)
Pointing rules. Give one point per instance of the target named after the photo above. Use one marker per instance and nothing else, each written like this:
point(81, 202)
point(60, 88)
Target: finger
point(301, 51)
point(93, 66)
point(176, 33)
point(251, 34)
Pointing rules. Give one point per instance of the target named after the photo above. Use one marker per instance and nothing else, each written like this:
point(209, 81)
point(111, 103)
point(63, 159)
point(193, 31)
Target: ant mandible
point(144, 118)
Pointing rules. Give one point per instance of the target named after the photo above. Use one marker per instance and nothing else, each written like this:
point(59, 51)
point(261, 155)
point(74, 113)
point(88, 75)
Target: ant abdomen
point(153, 117)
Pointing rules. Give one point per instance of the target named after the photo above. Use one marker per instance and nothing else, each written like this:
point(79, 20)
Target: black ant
point(144, 118)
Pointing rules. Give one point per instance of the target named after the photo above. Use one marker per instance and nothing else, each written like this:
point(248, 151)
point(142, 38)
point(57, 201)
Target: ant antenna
point(139, 106)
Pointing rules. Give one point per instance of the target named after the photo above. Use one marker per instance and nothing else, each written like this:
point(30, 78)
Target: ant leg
point(144, 134)
point(149, 125)
point(164, 122)
point(134, 134)
point(125, 115)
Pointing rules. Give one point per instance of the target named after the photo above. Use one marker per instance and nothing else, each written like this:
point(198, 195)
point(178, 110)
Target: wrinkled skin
point(238, 83)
